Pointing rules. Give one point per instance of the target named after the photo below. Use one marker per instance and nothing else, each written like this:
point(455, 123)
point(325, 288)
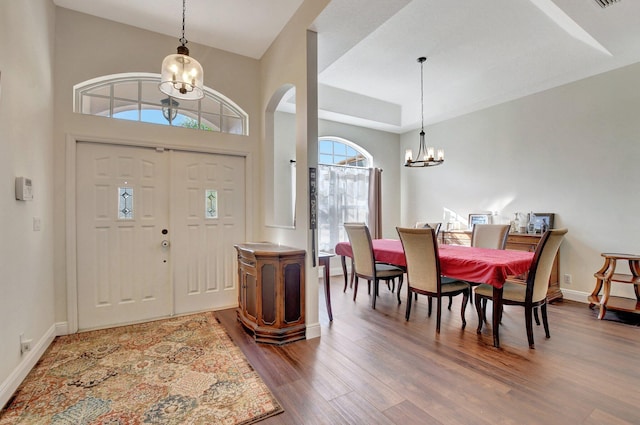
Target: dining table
point(481, 265)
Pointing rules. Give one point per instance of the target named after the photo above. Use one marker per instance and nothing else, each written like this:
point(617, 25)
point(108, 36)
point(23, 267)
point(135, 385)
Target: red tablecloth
point(483, 265)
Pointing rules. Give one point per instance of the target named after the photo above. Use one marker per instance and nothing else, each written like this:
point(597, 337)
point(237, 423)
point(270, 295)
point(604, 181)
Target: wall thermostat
point(24, 189)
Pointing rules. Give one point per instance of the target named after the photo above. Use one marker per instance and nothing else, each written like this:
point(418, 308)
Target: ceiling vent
point(606, 3)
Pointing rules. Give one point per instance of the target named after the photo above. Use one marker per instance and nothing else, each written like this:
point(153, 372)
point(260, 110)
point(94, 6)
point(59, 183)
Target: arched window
point(343, 189)
point(136, 97)
point(339, 151)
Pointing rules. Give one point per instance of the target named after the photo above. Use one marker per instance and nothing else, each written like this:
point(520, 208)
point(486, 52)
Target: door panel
point(204, 272)
point(123, 273)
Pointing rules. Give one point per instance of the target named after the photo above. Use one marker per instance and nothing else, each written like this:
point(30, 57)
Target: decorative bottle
point(531, 228)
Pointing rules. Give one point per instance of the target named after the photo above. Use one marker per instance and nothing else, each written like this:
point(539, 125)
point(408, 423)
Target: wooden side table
point(324, 259)
point(606, 275)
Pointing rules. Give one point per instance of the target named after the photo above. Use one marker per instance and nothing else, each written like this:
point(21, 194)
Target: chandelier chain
point(422, 91)
point(184, 11)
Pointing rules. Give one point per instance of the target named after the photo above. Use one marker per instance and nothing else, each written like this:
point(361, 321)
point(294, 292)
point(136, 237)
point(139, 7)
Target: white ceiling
point(480, 53)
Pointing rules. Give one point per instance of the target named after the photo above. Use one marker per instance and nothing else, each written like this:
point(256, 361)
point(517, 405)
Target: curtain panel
point(344, 195)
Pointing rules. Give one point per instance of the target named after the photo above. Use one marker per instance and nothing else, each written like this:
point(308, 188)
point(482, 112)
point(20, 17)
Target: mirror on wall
point(281, 160)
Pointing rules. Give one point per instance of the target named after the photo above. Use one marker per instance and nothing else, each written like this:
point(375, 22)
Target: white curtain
point(343, 197)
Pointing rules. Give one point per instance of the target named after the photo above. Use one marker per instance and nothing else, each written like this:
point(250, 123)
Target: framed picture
point(540, 218)
point(479, 219)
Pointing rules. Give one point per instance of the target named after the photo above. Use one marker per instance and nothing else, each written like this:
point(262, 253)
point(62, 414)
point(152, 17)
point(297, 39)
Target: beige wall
point(26, 149)
point(573, 150)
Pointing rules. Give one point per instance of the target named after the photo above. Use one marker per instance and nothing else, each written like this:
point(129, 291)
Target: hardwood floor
point(373, 367)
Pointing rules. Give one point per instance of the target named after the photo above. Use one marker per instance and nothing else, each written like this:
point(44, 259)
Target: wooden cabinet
point(515, 241)
point(271, 298)
point(455, 237)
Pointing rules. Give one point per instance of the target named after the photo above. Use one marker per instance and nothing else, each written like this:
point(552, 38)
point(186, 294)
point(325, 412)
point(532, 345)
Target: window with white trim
point(343, 189)
point(136, 97)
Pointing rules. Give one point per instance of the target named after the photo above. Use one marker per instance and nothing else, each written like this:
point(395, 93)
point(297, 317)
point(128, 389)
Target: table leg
point(325, 262)
point(497, 313)
point(599, 281)
point(605, 299)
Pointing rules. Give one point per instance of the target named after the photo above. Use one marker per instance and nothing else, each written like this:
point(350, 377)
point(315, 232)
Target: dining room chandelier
point(426, 156)
point(182, 76)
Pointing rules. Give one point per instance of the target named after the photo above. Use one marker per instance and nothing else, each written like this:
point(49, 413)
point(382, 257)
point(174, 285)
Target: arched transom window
point(339, 151)
point(136, 97)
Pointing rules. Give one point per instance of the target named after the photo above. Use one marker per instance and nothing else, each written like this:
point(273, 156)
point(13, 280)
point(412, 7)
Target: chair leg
point(408, 312)
point(375, 293)
point(528, 319)
point(535, 315)
point(355, 289)
point(353, 274)
point(545, 322)
point(465, 300)
point(400, 289)
point(481, 312)
point(438, 308)
point(344, 271)
point(450, 302)
point(429, 307)
point(484, 309)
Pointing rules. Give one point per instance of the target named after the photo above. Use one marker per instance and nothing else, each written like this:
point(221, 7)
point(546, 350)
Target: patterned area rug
point(183, 370)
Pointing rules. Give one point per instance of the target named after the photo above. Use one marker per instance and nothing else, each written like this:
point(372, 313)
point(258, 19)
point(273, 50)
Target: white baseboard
point(571, 295)
point(29, 360)
point(313, 331)
point(62, 328)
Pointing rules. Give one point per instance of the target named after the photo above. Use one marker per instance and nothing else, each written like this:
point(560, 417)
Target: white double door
point(155, 232)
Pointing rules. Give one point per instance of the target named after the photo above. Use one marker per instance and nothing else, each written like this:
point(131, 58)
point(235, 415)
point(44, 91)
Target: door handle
point(165, 243)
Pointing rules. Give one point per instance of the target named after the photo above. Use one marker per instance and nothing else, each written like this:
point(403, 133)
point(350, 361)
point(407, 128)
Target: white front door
point(122, 206)
point(125, 196)
point(208, 207)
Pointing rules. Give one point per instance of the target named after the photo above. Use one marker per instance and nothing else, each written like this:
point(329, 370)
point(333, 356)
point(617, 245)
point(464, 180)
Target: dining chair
point(427, 224)
point(364, 261)
point(436, 227)
point(423, 272)
point(492, 236)
point(531, 292)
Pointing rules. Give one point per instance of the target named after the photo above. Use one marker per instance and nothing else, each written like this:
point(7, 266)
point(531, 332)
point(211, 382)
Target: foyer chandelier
point(182, 76)
point(426, 155)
